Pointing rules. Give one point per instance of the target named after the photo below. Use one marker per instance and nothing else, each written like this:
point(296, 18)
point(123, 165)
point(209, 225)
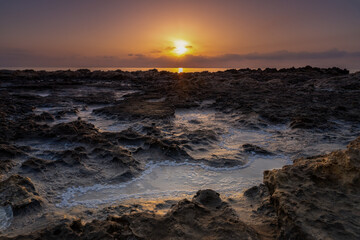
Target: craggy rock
point(135, 109)
point(318, 197)
point(79, 131)
point(7, 153)
point(168, 149)
point(250, 148)
point(208, 198)
point(20, 193)
point(45, 116)
point(36, 164)
point(315, 198)
point(205, 217)
point(6, 165)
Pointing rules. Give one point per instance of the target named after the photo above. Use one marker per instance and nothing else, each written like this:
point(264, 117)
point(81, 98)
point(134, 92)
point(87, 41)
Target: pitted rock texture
point(205, 217)
point(318, 197)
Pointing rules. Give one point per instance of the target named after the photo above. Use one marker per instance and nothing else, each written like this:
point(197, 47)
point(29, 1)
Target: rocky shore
point(81, 128)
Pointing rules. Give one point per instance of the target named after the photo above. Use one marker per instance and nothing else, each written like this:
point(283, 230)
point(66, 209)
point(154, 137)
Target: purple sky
point(136, 33)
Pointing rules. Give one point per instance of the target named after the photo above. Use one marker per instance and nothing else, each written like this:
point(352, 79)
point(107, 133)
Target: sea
point(134, 69)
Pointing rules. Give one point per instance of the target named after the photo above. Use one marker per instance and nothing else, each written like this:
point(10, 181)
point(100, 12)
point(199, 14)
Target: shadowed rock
point(318, 197)
point(20, 193)
point(134, 109)
point(250, 148)
point(205, 217)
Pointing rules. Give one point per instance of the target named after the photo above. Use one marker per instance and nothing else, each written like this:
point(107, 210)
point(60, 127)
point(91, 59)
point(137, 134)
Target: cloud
point(156, 51)
point(334, 57)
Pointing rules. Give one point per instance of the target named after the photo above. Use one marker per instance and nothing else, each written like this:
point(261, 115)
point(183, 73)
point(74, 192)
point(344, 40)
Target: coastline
point(314, 198)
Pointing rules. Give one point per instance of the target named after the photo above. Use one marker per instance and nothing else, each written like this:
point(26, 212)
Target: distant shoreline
point(134, 69)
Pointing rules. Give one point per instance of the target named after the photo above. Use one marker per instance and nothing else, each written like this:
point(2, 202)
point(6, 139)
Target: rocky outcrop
point(250, 148)
point(315, 198)
point(20, 193)
point(7, 153)
point(205, 217)
point(135, 109)
point(318, 197)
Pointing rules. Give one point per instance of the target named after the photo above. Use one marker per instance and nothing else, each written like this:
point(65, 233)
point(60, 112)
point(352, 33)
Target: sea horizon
point(134, 69)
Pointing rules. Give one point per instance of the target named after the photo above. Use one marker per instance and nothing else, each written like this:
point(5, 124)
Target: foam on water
point(6, 216)
point(170, 178)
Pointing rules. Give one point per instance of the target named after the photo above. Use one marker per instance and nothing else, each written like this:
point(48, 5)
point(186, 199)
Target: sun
point(181, 47)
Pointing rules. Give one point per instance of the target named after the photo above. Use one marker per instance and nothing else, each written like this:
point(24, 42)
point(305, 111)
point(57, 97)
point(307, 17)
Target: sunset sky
point(208, 33)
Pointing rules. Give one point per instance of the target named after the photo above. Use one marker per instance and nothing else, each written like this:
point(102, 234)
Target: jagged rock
point(79, 130)
point(7, 154)
point(9, 151)
point(36, 164)
point(250, 148)
point(205, 217)
point(20, 193)
point(318, 197)
point(45, 116)
point(208, 198)
point(138, 109)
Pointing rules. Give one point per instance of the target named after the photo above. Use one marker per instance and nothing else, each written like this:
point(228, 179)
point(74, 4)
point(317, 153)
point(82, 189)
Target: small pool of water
point(195, 128)
point(171, 179)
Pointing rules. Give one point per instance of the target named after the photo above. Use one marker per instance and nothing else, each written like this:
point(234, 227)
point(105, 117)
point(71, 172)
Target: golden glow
point(181, 47)
point(180, 70)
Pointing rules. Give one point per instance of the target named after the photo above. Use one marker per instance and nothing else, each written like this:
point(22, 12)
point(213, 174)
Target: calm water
point(176, 70)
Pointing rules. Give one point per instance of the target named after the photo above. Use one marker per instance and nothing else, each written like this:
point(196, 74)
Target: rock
point(20, 193)
point(250, 148)
point(45, 116)
point(208, 198)
point(72, 157)
point(9, 151)
point(196, 219)
point(79, 131)
point(318, 197)
point(6, 165)
point(256, 191)
point(7, 154)
point(307, 122)
point(36, 164)
point(135, 109)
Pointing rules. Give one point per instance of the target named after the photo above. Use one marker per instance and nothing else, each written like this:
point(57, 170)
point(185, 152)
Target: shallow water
point(184, 178)
point(74, 111)
point(172, 179)
point(214, 140)
point(6, 216)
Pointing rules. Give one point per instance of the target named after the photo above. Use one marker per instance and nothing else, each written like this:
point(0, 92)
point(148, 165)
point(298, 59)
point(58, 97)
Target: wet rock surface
point(20, 194)
point(136, 108)
point(205, 217)
point(318, 197)
point(70, 132)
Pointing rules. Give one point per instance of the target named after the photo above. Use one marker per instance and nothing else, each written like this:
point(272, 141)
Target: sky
point(211, 33)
